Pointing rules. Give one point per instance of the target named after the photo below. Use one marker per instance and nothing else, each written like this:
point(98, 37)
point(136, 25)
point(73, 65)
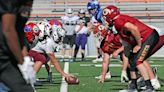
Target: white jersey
point(84, 30)
point(69, 24)
point(46, 46)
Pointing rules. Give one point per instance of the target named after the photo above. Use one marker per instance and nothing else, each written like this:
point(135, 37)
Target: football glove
point(124, 77)
point(27, 70)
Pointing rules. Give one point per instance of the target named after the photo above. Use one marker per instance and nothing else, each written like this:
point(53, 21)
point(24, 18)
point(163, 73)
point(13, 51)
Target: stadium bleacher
point(148, 10)
point(56, 8)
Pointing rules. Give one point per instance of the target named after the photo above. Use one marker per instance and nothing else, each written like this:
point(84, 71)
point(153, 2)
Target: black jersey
point(17, 7)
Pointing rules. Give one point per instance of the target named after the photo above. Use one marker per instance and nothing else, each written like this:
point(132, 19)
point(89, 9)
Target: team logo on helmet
point(106, 12)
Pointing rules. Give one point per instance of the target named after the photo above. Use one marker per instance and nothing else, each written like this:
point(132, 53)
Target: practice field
point(86, 72)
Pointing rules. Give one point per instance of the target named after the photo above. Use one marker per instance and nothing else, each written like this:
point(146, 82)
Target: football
point(72, 80)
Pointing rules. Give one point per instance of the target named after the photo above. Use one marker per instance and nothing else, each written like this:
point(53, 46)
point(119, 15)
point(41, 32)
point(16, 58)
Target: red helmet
point(55, 22)
point(31, 29)
point(100, 32)
point(110, 12)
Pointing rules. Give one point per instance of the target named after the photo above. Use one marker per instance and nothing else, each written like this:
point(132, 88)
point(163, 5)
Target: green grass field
point(86, 75)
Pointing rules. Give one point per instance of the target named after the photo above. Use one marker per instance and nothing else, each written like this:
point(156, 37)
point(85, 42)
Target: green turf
point(88, 83)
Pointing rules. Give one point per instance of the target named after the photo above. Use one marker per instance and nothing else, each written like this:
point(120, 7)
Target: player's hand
point(27, 70)
point(102, 79)
point(136, 48)
point(67, 76)
point(124, 77)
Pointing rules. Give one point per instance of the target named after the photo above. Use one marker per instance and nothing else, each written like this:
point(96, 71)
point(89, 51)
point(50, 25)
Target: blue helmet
point(93, 5)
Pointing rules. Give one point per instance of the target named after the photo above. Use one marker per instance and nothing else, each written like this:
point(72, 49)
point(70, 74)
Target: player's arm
point(56, 64)
point(8, 25)
point(119, 50)
point(135, 32)
point(104, 66)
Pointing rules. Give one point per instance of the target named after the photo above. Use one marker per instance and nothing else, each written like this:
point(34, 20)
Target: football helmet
point(81, 11)
point(93, 5)
point(58, 27)
point(45, 28)
point(109, 13)
point(58, 34)
point(55, 36)
point(31, 30)
point(55, 22)
point(100, 32)
point(69, 12)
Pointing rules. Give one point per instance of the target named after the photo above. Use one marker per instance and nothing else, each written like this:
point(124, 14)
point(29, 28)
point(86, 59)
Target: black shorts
point(145, 51)
point(69, 39)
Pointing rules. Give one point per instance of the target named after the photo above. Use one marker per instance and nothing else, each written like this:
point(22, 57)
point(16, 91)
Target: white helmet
point(46, 27)
point(42, 31)
point(55, 36)
point(58, 33)
point(69, 11)
point(61, 32)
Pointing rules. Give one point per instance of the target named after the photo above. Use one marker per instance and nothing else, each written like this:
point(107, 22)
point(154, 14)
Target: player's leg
point(158, 45)
point(49, 71)
point(153, 78)
point(77, 44)
point(72, 43)
point(65, 42)
point(99, 52)
point(13, 79)
point(106, 61)
point(142, 55)
point(39, 59)
point(83, 42)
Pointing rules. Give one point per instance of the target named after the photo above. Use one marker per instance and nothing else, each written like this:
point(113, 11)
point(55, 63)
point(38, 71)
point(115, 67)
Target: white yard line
point(111, 65)
point(64, 85)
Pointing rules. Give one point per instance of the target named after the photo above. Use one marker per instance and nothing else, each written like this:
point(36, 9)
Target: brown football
point(72, 80)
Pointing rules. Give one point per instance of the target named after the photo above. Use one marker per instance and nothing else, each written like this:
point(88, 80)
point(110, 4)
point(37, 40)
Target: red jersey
point(119, 23)
point(111, 44)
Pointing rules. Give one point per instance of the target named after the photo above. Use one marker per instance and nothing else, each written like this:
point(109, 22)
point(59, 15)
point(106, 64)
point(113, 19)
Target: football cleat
point(128, 90)
point(108, 76)
point(131, 88)
point(97, 60)
point(141, 83)
point(148, 90)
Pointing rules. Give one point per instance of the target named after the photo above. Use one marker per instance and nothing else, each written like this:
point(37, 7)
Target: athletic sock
point(133, 84)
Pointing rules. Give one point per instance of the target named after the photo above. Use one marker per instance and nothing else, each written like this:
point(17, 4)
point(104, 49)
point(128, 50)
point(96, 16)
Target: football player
point(32, 32)
point(81, 34)
point(110, 45)
point(95, 10)
point(69, 22)
point(140, 38)
point(48, 43)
